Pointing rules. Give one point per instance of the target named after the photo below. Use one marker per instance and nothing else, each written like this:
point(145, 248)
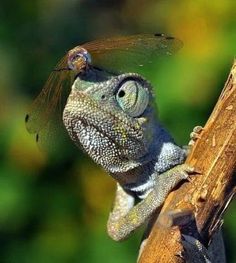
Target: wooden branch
point(207, 194)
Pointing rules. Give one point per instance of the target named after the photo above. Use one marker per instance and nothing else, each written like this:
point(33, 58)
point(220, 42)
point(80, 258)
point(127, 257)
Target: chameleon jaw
point(106, 144)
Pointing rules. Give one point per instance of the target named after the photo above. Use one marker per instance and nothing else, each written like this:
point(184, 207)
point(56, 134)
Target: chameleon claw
point(198, 129)
point(185, 170)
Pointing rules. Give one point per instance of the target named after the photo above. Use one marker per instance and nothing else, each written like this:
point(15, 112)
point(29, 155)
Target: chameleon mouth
point(96, 142)
point(99, 130)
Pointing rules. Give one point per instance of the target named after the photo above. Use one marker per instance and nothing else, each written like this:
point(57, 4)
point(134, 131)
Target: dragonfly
point(115, 54)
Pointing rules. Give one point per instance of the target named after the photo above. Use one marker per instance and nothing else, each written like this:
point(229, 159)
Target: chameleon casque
point(112, 117)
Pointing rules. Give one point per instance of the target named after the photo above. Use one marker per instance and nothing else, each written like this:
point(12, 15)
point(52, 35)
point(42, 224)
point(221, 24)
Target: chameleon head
point(78, 59)
point(111, 118)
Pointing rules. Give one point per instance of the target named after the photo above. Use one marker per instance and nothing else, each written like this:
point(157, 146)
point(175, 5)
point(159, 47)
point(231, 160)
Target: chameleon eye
point(132, 97)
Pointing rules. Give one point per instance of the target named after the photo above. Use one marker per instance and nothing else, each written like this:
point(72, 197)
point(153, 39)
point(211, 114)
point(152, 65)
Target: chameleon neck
point(165, 154)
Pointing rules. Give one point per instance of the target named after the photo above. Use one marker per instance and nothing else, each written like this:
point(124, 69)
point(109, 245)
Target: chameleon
point(112, 117)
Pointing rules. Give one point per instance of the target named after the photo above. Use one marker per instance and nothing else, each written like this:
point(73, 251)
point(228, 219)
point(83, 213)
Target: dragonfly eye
point(132, 97)
point(76, 56)
point(78, 59)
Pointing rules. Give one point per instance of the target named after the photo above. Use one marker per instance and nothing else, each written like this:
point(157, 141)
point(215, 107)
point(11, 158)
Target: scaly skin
point(112, 117)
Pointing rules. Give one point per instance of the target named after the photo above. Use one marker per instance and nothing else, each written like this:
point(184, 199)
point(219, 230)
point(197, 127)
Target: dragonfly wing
point(51, 135)
point(48, 101)
point(126, 53)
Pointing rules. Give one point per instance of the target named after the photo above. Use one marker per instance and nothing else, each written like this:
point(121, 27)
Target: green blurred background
point(55, 209)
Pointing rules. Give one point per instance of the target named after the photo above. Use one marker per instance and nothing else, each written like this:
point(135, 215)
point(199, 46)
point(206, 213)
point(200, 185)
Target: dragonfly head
point(78, 59)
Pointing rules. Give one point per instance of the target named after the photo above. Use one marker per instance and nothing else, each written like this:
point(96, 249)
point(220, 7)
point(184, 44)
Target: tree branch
point(208, 194)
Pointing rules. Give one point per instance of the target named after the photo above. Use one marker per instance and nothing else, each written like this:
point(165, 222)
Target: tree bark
point(208, 193)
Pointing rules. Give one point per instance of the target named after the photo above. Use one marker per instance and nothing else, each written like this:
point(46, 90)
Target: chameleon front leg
point(122, 222)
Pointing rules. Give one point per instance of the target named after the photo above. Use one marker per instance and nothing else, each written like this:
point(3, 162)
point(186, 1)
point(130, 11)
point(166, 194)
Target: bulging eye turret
point(133, 97)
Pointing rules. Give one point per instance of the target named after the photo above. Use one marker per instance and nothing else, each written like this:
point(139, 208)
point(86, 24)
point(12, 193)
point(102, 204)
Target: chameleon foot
point(182, 171)
point(195, 135)
point(165, 182)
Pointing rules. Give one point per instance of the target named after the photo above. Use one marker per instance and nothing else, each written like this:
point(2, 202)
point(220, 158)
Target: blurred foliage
point(55, 209)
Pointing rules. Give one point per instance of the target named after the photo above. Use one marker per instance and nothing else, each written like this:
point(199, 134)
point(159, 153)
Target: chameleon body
point(133, 150)
point(112, 117)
